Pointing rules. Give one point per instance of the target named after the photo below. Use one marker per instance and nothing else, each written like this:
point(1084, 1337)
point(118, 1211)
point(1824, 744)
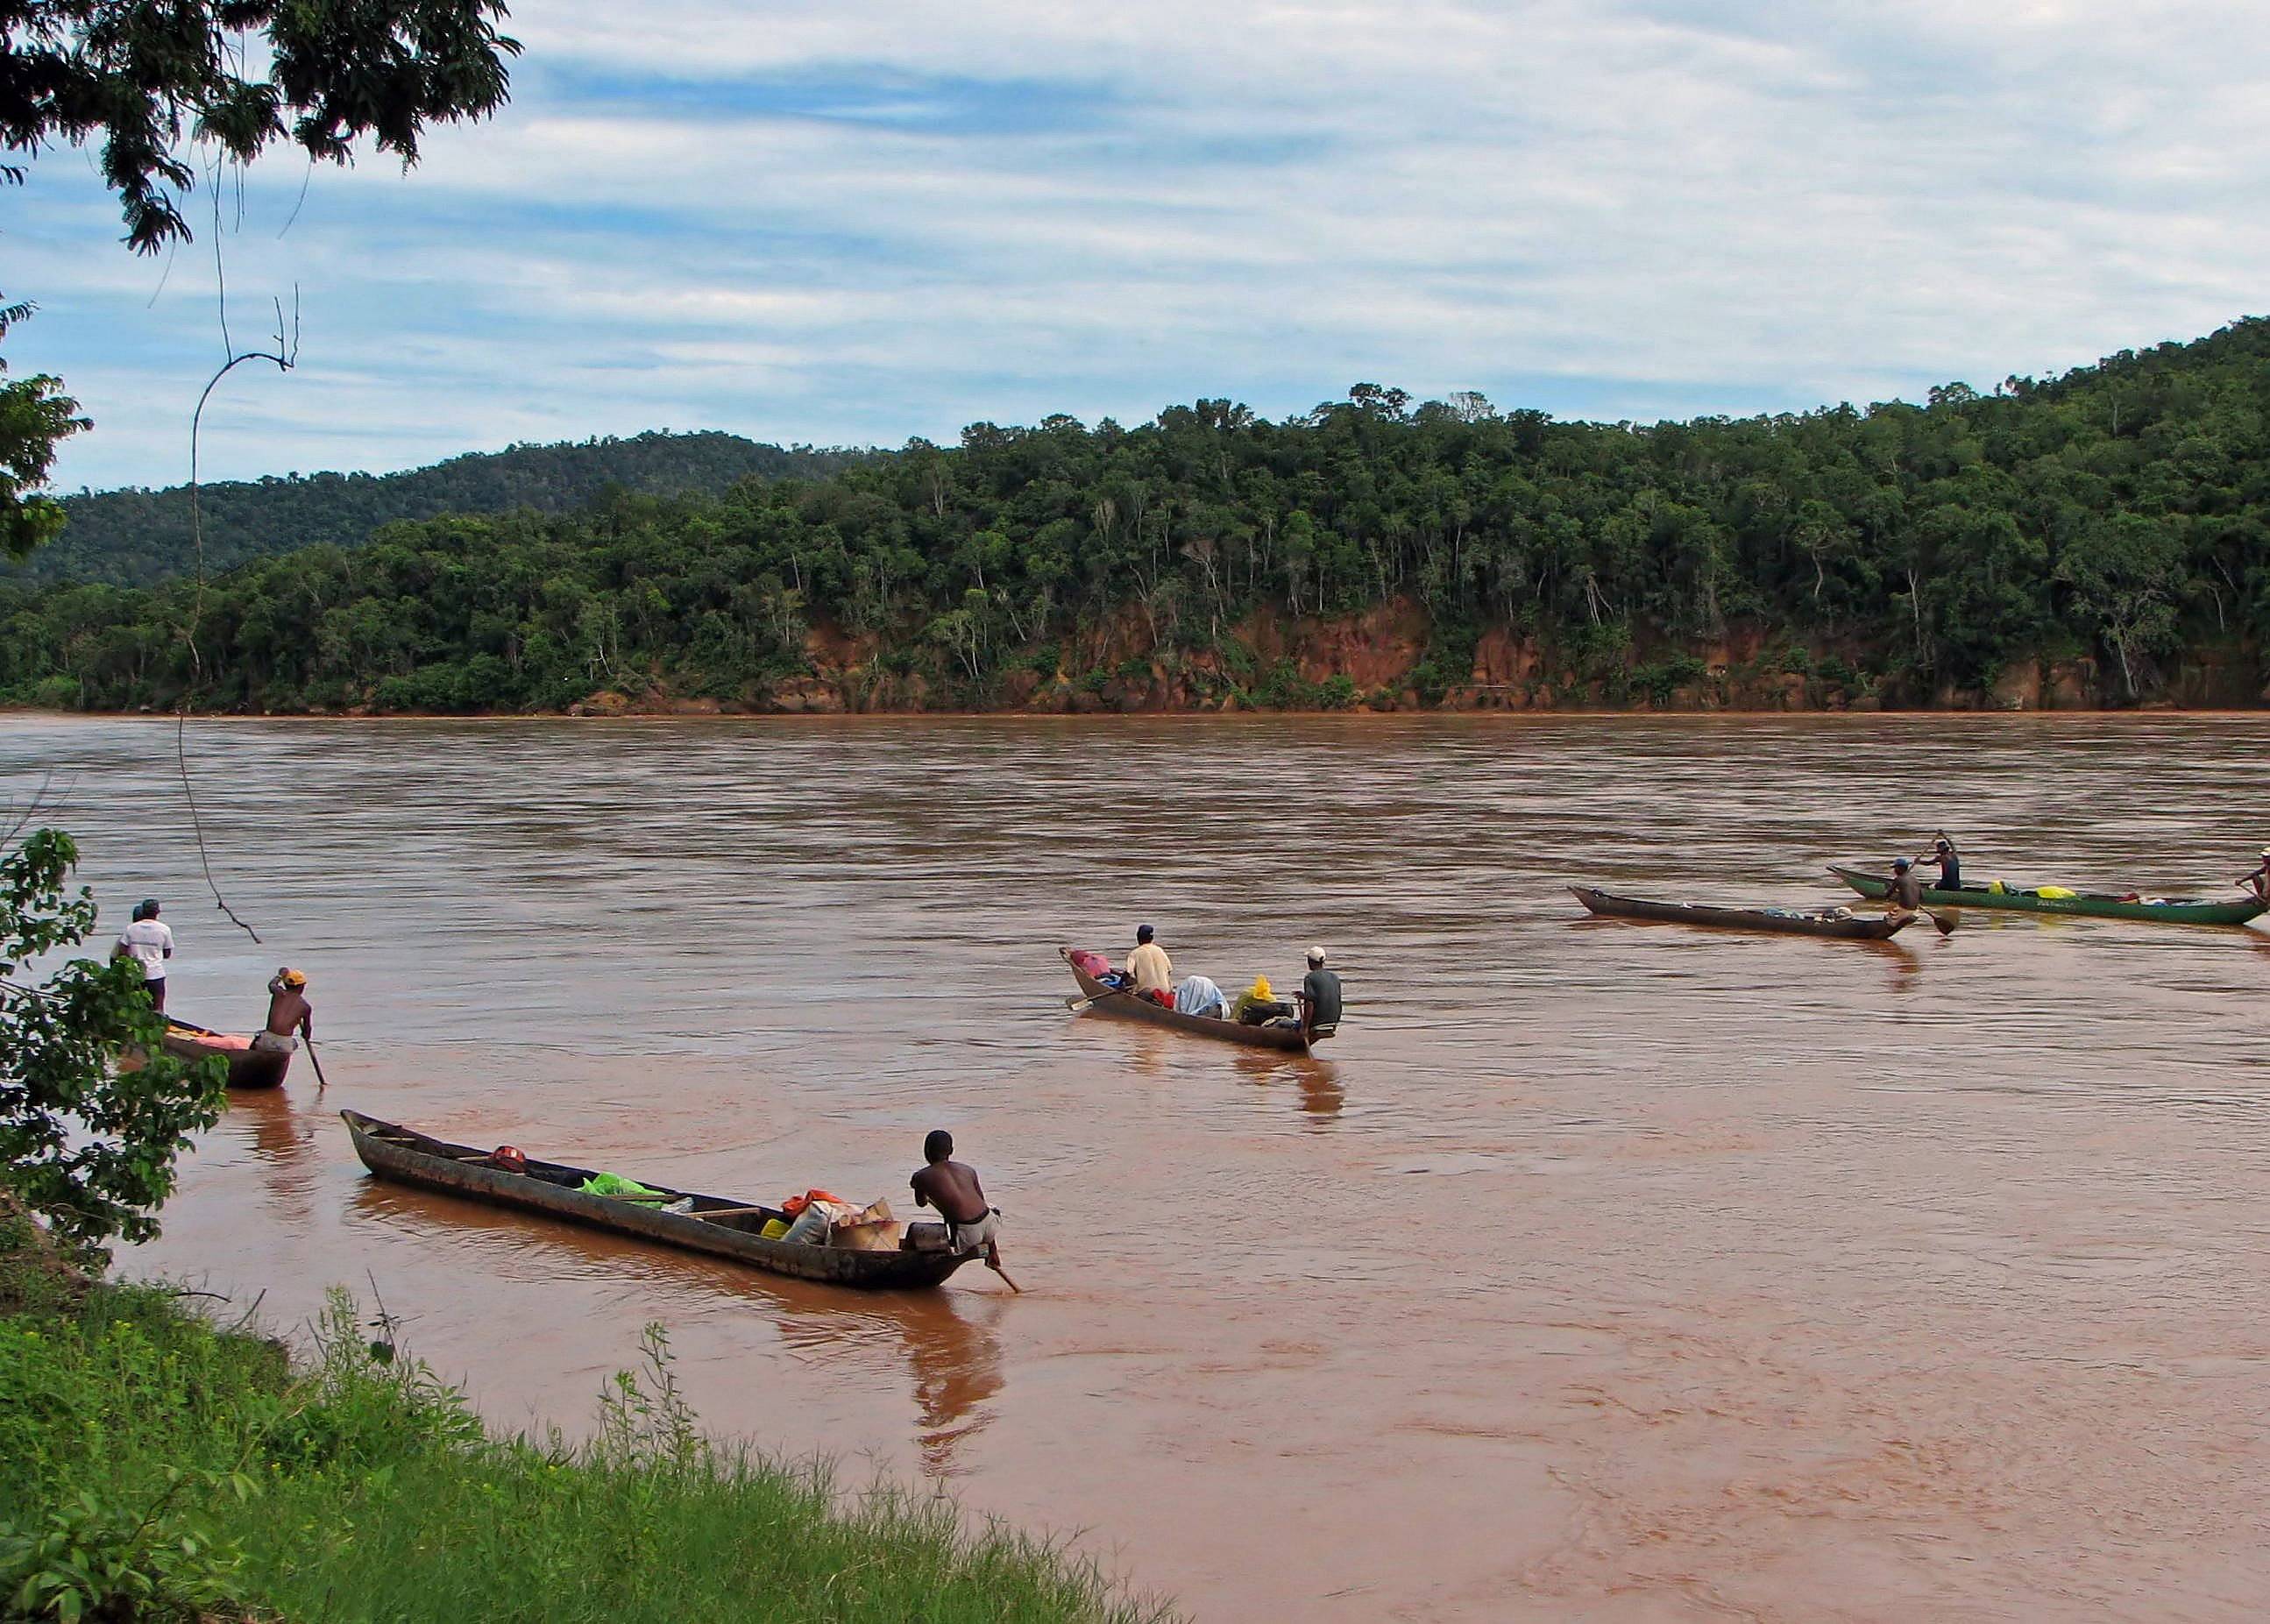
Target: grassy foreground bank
point(154, 1465)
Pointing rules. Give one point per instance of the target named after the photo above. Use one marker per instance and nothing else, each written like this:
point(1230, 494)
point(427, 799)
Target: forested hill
point(2099, 538)
point(134, 536)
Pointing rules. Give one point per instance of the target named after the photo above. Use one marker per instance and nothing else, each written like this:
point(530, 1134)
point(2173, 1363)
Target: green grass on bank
point(154, 1466)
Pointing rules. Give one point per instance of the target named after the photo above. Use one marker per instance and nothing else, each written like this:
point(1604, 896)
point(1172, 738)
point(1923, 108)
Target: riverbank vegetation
point(2107, 531)
point(154, 1465)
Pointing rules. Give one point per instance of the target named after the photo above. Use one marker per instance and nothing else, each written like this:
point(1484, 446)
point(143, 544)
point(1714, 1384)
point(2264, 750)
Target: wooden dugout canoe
point(1791, 922)
point(247, 1067)
point(1127, 1007)
point(718, 1225)
point(2093, 905)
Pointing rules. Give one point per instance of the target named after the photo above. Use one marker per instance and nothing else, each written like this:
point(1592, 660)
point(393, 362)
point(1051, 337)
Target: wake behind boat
point(719, 1225)
point(2057, 900)
point(1796, 922)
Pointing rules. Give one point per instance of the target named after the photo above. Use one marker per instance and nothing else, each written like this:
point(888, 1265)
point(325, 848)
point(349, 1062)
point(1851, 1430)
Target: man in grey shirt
point(1320, 995)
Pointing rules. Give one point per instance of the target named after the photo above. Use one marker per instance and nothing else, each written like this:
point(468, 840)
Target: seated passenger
point(1320, 995)
point(1149, 964)
point(1200, 996)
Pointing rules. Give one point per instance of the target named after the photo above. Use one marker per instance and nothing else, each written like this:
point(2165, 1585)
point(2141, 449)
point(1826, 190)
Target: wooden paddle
point(317, 1060)
point(1946, 923)
point(1081, 1007)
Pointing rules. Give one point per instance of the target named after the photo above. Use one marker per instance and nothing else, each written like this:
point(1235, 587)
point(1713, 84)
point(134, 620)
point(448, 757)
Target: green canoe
point(2096, 905)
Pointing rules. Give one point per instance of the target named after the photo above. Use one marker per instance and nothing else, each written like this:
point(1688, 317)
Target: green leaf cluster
point(87, 1143)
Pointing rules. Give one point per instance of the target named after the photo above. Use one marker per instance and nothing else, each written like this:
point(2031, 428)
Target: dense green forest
point(133, 537)
point(2099, 537)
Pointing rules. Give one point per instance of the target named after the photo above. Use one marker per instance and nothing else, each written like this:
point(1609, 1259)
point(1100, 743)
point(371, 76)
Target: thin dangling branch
point(286, 355)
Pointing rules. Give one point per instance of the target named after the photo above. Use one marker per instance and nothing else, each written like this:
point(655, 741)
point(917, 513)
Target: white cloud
point(868, 222)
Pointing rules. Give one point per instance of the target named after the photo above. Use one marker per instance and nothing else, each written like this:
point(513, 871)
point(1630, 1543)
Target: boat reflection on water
point(280, 1138)
point(951, 1352)
point(1318, 1080)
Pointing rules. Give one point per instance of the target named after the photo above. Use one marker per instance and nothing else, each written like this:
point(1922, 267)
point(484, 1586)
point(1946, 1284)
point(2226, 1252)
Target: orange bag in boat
point(796, 1204)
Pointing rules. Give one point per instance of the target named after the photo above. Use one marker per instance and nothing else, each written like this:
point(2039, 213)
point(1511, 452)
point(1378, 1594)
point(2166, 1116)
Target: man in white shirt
point(1149, 965)
point(152, 943)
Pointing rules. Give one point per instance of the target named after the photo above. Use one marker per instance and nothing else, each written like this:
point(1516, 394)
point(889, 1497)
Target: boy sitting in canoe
point(951, 1186)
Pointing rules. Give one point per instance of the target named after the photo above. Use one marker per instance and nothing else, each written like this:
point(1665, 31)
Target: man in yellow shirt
point(1149, 965)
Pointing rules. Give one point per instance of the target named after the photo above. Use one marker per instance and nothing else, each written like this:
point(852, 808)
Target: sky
point(863, 222)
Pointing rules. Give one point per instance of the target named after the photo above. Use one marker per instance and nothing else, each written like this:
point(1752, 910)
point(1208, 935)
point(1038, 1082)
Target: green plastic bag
point(622, 1189)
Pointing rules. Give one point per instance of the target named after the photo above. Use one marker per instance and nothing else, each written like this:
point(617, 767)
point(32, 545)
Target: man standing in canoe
point(152, 943)
point(1149, 964)
point(288, 1012)
point(2258, 881)
point(951, 1186)
point(1320, 996)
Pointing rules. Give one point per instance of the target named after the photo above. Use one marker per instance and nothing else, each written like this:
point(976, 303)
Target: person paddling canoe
point(1906, 892)
point(1320, 996)
point(2258, 881)
point(1950, 864)
point(290, 1015)
point(951, 1186)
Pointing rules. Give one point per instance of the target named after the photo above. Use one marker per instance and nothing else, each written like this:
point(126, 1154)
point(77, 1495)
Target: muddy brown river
point(1597, 1271)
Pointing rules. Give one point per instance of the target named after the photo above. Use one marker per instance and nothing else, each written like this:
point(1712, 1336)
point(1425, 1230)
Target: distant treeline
point(133, 537)
point(2119, 514)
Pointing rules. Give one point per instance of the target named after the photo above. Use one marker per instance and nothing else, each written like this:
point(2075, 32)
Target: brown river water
point(1598, 1271)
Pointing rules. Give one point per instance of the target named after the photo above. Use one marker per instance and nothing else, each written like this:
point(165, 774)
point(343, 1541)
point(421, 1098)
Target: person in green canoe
point(2258, 881)
point(1950, 864)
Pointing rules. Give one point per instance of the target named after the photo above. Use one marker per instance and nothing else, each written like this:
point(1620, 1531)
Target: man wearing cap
point(1906, 892)
point(1950, 865)
point(2258, 881)
point(288, 1012)
point(151, 943)
point(1320, 996)
point(1149, 964)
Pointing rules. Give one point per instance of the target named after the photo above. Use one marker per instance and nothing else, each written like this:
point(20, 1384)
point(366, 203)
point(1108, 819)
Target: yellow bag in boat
point(2054, 892)
point(1999, 888)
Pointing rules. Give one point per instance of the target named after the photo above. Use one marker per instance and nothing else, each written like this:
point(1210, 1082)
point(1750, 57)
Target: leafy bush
point(87, 1144)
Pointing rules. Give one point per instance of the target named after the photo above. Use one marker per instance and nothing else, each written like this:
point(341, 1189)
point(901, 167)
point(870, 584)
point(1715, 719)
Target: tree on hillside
point(155, 86)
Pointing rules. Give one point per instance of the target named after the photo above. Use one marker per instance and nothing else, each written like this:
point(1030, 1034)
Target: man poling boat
point(2064, 900)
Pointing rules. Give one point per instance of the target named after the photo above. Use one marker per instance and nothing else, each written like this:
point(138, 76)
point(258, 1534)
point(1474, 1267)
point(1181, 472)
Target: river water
point(1599, 1271)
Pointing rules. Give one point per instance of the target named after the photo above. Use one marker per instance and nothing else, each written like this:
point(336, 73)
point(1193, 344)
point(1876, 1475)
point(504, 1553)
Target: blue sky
point(859, 223)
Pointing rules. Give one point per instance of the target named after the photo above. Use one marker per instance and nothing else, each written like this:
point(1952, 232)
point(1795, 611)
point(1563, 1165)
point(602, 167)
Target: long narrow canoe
point(247, 1067)
point(718, 1225)
point(1794, 922)
point(2094, 905)
point(1127, 1007)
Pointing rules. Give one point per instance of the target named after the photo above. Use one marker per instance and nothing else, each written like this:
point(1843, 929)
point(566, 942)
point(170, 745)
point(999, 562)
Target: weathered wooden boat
point(719, 1225)
point(2094, 905)
point(1126, 1007)
point(1795, 922)
point(247, 1067)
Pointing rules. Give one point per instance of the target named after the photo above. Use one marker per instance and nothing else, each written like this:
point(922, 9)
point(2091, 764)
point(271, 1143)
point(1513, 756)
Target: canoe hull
point(2087, 907)
point(1126, 1007)
point(1738, 918)
point(249, 1068)
point(407, 1157)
